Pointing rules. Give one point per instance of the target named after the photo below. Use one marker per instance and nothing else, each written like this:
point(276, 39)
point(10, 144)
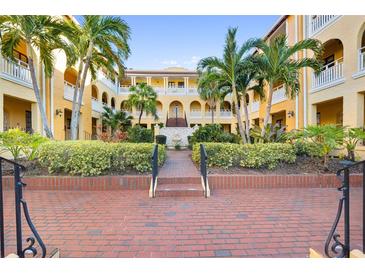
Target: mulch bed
point(303, 165)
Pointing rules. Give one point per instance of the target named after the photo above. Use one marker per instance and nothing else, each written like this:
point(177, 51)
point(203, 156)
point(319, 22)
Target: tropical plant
point(209, 89)
point(42, 33)
point(352, 137)
point(138, 134)
point(143, 98)
point(273, 134)
point(276, 63)
point(212, 133)
point(116, 119)
point(229, 67)
point(328, 137)
point(99, 43)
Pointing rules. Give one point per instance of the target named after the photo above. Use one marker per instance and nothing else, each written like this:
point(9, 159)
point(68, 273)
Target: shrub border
point(216, 181)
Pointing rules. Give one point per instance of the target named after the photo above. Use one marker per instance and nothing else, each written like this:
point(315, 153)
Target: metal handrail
point(203, 170)
point(154, 162)
point(337, 248)
point(20, 204)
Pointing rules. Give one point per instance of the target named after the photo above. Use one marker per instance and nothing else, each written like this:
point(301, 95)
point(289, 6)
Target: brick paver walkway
point(238, 223)
point(178, 164)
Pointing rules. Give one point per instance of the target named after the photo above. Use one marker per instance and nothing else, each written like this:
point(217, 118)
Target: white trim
point(305, 91)
point(329, 85)
point(358, 74)
point(15, 80)
point(52, 107)
point(296, 58)
point(44, 94)
point(331, 22)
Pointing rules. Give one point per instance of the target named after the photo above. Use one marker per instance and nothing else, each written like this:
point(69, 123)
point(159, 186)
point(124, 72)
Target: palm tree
point(41, 33)
point(229, 67)
point(276, 63)
point(209, 89)
point(116, 119)
point(100, 43)
point(248, 80)
point(143, 98)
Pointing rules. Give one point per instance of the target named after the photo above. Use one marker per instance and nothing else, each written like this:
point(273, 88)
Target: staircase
point(176, 122)
point(179, 187)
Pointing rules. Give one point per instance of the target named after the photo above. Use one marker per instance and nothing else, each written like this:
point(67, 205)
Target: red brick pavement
point(231, 223)
point(178, 164)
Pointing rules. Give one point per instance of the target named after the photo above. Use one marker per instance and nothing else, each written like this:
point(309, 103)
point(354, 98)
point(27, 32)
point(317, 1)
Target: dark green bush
point(161, 139)
point(212, 133)
point(90, 158)
point(267, 155)
point(138, 134)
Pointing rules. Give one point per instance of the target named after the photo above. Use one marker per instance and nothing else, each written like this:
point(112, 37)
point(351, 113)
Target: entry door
point(28, 121)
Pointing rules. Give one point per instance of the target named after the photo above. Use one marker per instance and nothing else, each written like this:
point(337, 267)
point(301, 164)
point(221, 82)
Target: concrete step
point(179, 190)
point(179, 180)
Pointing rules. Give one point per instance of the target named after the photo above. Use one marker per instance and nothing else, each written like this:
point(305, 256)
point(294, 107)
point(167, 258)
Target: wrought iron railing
point(154, 171)
point(203, 170)
point(20, 205)
point(334, 247)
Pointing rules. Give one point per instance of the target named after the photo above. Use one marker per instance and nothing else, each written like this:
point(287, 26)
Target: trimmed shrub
point(249, 155)
point(212, 133)
point(90, 158)
point(161, 139)
point(138, 134)
point(307, 148)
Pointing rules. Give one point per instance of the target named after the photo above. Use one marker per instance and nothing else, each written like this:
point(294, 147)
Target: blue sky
point(164, 41)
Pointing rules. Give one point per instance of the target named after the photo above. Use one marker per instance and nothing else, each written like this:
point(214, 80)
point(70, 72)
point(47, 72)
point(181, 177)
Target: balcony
point(195, 113)
point(225, 113)
point(331, 75)
point(69, 90)
point(108, 82)
point(362, 59)
point(159, 90)
point(255, 106)
point(278, 94)
point(192, 91)
point(16, 71)
point(124, 89)
point(96, 105)
point(176, 91)
point(319, 22)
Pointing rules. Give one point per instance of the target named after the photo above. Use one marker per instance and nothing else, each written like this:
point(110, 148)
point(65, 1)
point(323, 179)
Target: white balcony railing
point(176, 91)
point(124, 89)
point(278, 94)
point(318, 22)
point(330, 75)
point(159, 90)
point(208, 113)
point(225, 113)
point(195, 113)
point(362, 59)
point(16, 71)
point(193, 91)
point(96, 105)
point(68, 92)
point(255, 106)
point(108, 82)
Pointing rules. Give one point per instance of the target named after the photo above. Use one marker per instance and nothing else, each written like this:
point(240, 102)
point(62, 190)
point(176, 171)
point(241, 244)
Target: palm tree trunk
point(74, 129)
point(140, 116)
point(247, 120)
point(75, 118)
point(38, 98)
point(238, 113)
point(268, 110)
point(212, 116)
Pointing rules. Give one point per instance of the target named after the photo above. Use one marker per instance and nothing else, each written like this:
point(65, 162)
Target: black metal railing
point(154, 169)
point(334, 247)
point(20, 205)
point(203, 168)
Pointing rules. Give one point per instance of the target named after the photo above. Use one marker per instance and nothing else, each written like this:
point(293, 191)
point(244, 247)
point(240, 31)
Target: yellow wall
point(330, 112)
point(14, 112)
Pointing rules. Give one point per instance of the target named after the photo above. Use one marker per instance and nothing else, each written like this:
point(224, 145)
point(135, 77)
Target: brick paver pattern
point(231, 223)
point(178, 164)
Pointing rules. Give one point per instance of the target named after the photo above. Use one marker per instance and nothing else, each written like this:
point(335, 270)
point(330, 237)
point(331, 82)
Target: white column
point(186, 84)
point(1, 112)
point(36, 118)
point(148, 81)
point(133, 80)
point(165, 83)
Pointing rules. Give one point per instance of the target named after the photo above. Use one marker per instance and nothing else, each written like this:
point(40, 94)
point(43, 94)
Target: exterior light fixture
point(59, 112)
point(290, 114)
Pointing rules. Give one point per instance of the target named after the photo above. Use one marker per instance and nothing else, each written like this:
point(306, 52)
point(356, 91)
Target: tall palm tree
point(42, 33)
point(116, 119)
point(229, 66)
point(209, 89)
point(248, 80)
point(100, 42)
point(143, 98)
point(276, 63)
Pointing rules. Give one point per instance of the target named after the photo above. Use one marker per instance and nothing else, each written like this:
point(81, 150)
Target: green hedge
point(90, 158)
point(227, 155)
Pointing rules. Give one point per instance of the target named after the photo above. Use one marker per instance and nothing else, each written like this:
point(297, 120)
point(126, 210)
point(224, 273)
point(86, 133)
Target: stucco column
point(1, 112)
point(165, 83)
point(312, 114)
point(186, 84)
point(36, 118)
point(133, 80)
point(148, 80)
point(353, 110)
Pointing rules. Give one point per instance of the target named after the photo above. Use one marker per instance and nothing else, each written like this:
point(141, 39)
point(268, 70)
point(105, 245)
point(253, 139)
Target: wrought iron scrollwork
point(334, 248)
point(31, 249)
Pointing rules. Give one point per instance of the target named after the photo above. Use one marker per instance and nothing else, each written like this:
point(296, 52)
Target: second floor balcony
point(319, 22)
point(110, 83)
point(96, 105)
point(16, 71)
point(330, 75)
point(68, 91)
point(278, 94)
point(255, 106)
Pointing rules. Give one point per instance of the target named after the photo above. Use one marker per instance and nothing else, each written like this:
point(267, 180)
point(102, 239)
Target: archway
point(104, 98)
point(176, 110)
point(94, 92)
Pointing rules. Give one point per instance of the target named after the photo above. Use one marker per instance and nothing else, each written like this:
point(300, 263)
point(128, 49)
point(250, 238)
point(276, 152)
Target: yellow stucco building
point(336, 95)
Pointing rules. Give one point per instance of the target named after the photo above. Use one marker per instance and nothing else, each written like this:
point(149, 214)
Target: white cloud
point(169, 62)
point(192, 61)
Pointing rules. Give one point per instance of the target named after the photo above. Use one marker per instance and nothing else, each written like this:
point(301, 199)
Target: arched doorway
point(176, 110)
